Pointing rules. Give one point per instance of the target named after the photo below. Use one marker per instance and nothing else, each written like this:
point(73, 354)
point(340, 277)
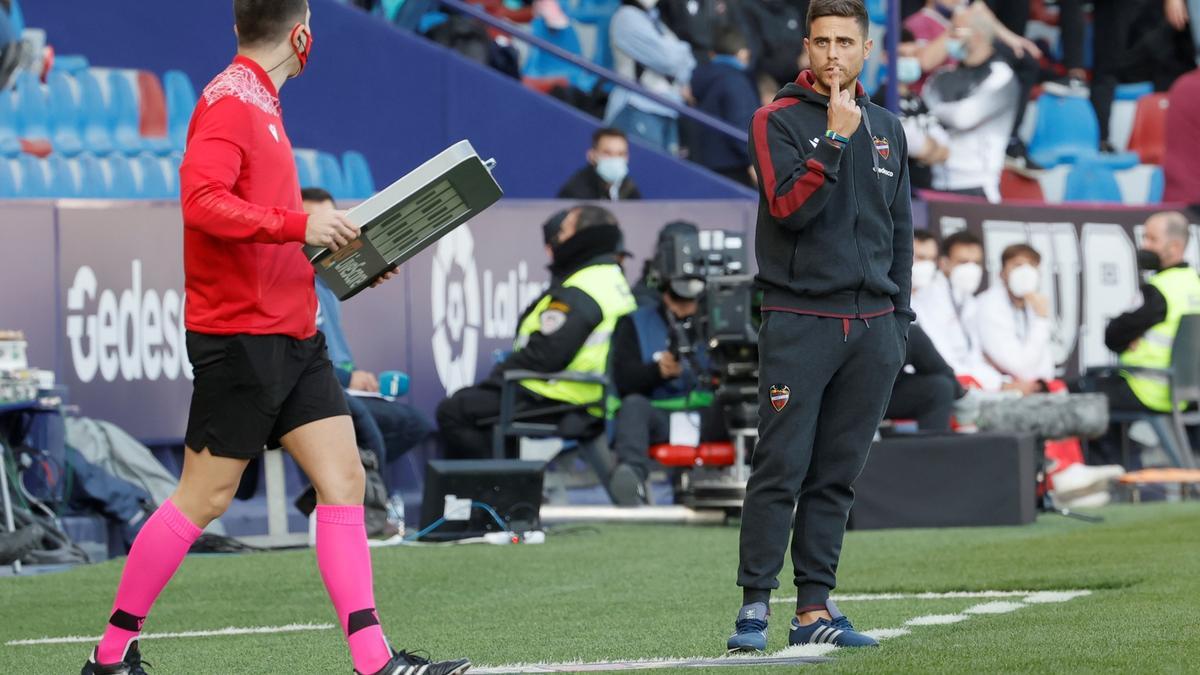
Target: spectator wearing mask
point(723, 88)
point(606, 176)
point(390, 428)
point(946, 308)
point(647, 52)
point(1181, 162)
point(775, 34)
point(1015, 323)
point(928, 142)
point(976, 102)
point(1143, 337)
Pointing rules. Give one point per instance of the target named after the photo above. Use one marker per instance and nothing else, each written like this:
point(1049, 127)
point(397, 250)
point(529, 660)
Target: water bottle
point(395, 511)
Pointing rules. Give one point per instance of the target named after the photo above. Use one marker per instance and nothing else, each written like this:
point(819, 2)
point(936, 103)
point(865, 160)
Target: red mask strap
point(301, 53)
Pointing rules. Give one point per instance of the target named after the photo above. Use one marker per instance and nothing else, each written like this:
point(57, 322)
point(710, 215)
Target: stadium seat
point(1092, 182)
point(10, 144)
point(31, 178)
point(8, 182)
point(173, 162)
point(71, 64)
point(1141, 185)
point(1066, 130)
point(357, 174)
point(181, 100)
point(120, 178)
point(151, 175)
point(307, 170)
point(330, 173)
point(1016, 186)
point(152, 113)
point(65, 118)
point(544, 64)
point(32, 114)
point(1149, 136)
point(877, 11)
point(91, 175)
point(1133, 91)
point(97, 134)
point(65, 181)
point(599, 14)
point(124, 105)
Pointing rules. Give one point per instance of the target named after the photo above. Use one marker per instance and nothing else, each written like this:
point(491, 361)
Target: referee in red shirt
point(262, 375)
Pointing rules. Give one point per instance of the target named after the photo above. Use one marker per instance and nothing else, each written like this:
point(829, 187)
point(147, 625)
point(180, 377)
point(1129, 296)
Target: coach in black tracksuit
point(834, 248)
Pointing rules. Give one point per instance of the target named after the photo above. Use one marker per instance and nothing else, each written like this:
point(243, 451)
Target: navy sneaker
point(130, 665)
point(838, 632)
point(750, 629)
point(403, 663)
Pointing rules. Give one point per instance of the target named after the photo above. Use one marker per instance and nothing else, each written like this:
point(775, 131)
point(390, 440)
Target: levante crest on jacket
point(780, 393)
point(882, 146)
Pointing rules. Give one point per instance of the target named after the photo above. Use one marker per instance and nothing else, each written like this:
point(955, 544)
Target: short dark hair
point(1019, 250)
point(729, 41)
point(960, 238)
point(317, 195)
point(854, 9)
point(591, 215)
point(923, 236)
point(605, 132)
point(260, 21)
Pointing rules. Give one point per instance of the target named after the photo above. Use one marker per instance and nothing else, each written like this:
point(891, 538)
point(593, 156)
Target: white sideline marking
point(936, 619)
point(994, 608)
point(886, 633)
point(1042, 596)
point(231, 630)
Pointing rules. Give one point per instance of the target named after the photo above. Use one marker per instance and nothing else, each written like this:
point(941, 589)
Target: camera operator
point(658, 367)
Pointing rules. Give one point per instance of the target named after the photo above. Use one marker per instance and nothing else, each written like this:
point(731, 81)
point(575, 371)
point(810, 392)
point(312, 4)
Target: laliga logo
point(136, 335)
point(456, 310)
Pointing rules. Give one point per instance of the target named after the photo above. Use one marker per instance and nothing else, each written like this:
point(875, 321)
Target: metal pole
point(892, 40)
point(9, 524)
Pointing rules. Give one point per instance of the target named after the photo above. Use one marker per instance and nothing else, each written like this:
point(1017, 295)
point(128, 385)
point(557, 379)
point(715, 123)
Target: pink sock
point(345, 562)
point(153, 559)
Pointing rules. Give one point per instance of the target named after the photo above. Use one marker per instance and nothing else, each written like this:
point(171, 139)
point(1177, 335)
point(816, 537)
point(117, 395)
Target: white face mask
point(965, 280)
point(923, 272)
point(612, 169)
point(1023, 280)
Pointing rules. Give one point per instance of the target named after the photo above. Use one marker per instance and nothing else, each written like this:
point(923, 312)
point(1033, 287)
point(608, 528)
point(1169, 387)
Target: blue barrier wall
point(370, 87)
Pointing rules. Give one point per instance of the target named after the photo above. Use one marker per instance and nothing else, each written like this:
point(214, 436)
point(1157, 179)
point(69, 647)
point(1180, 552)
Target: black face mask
point(1148, 261)
point(584, 246)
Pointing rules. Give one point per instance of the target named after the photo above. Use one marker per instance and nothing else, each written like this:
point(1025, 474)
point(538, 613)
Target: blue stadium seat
point(1141, 185)
point(1067, 130)
point(8, 183)
point(66, 122)
point(72, 64)
point(127, 137)
point(357, 174)
point(598, 13)
point(877, 11)
point(307, 170)
point(331, 175)
point(65, 182)
point(121, 181)
point(543, 64)
point(1132, 91)
point(181, 100)
point(10, 144)
point(32, 183)
point(97, 122)
point(93, 184)
point(154, 180)
point(1092, 182)
point(32, 113)
point(16, 17)
point(173, 162)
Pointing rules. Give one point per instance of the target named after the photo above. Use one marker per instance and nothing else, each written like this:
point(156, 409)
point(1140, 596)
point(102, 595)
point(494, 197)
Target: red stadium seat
point(1015, 186)
point(153, 105)
point(1149, 136)
point(545, 85)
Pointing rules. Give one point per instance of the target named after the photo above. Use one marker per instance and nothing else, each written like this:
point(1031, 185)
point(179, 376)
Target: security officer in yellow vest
point(658, 368)
point(1143, 336)
point(568, 328)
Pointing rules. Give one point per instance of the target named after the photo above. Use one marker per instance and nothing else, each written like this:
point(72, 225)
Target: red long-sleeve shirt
point(243, 221)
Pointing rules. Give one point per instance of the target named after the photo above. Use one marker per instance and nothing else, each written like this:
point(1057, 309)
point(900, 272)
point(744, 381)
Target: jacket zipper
point(857, 246)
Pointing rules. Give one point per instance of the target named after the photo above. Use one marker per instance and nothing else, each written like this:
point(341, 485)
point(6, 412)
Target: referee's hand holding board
point(844, 113)
point(330, 229)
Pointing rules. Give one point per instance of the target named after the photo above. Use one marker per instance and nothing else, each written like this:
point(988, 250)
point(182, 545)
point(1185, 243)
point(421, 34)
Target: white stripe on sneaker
point(818, 634)
point(833, 638)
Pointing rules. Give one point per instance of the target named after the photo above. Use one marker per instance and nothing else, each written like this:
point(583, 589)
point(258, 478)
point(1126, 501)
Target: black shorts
point(250, 390)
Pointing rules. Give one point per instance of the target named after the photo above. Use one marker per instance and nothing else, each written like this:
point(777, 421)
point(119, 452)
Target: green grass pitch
point(643, 592)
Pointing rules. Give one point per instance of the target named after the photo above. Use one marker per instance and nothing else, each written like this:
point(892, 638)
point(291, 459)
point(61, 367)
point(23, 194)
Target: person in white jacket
point(1015, 323)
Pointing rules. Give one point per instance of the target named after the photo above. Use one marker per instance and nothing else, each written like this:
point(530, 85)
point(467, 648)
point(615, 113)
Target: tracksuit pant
point(823, 386)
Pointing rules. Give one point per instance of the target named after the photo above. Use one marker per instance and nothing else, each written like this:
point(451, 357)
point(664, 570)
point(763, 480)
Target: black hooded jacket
point(834, 233)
